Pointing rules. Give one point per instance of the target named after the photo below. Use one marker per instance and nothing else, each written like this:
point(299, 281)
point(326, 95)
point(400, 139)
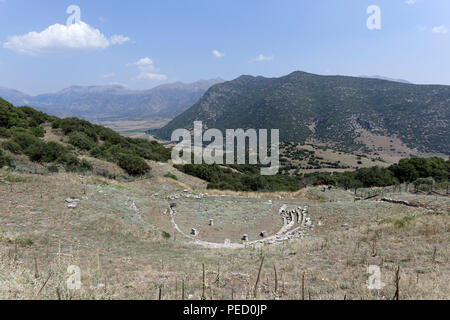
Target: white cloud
point(437, 30)
point(410, 2)
point(440, 29)
point(59, 38)
point(147, 70)
point(218, 54)
point(109, 75)
point(144, 62)
point(261, 57)
point(118, 39)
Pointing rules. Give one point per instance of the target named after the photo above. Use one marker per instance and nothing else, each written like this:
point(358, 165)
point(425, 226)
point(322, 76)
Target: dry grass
point(128, 251)
point(135, 129)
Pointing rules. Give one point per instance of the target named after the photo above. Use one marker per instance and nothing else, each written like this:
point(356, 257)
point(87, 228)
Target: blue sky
point(142, 44)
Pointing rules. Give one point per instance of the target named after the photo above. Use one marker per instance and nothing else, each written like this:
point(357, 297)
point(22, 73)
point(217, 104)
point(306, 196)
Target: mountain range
point(337, 111)
point(114, 102)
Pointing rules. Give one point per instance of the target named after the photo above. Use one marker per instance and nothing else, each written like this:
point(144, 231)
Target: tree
point(376, 176)
point(133, 165)
point(81, 140)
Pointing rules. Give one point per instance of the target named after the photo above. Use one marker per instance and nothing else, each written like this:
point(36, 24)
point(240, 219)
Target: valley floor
point(121, 237)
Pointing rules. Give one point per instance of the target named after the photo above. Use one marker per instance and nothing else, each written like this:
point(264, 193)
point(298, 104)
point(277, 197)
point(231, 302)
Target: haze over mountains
point(343, 112)
point(115, 102)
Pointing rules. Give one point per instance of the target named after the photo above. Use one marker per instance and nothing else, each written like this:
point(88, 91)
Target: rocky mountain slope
point(338, 111)
point(115, 102)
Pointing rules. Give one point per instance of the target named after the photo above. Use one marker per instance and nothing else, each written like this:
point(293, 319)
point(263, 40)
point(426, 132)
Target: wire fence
point(368, 193)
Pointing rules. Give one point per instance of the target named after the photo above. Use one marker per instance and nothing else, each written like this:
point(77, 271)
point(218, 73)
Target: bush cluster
point(419, 171)
point(22, 127)
point(239, 178)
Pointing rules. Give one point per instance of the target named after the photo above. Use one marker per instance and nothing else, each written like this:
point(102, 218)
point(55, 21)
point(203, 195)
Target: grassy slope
point(122, 252)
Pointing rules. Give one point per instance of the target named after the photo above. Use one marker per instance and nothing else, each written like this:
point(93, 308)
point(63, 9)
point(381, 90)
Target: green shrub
point(81, 140)
point(109, 135)
point(105, 173)
point(165, 235)
point(69, 160)
point(424, 181)
point(11, 146)
point(55, 124)
point(247, 179)
point(324, 178)
point(376, 177)
point(5, 133)
point(5, 160)
point(53, 168)
point(78, 166)
point(171, 176)
point(25, 140)
point(99, 151)
point(70, 125)
point(133, 165)
point(85, 165)
point(23, 117)
point(37, 132)
point(46, 152)
point(24, 242)
point(409, 170)
point(19, 130)
point(52, 151)
point(35, 151)
point(113, 153)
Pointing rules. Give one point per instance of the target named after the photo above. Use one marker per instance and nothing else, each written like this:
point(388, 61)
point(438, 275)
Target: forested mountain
point(335, 110)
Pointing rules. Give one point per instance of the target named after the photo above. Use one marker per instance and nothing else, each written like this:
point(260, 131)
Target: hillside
point(14, 96)
point(114, 102)
point(69, 144)
point(346, 113)
point(385, 78)
point(66, 200)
